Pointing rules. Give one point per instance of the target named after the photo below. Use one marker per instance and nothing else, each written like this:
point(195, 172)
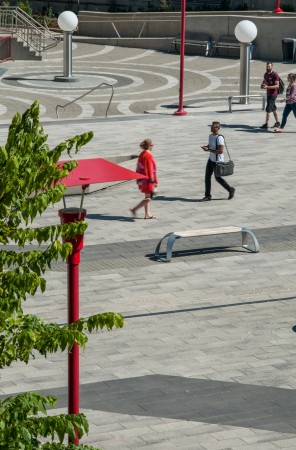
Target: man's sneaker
point(207, 198)
point(264, 126)
point(231, 193)
point(278, 130)
point(276, 125)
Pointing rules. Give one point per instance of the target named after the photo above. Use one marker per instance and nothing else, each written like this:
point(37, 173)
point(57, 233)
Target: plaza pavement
point(206, 358)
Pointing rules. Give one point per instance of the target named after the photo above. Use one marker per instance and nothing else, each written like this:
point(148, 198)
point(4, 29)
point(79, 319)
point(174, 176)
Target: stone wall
point(144, 28)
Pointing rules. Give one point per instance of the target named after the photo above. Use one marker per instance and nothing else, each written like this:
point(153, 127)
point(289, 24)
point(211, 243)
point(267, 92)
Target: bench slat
point(199, 39)
point(207, 231)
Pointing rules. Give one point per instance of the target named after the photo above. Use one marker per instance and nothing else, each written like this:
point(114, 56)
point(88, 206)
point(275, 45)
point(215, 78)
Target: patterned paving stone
point(206, 359)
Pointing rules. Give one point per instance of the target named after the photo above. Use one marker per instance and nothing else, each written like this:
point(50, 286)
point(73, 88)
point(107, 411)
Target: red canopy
point(98, 170)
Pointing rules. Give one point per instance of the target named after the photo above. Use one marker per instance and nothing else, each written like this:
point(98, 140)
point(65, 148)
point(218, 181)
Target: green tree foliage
point(29, 184)
point(25, 5)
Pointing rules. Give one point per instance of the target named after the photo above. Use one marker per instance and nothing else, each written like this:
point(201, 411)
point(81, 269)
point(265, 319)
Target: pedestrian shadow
point(192, 399)
point(246, 128)
point(174, 199)
point(183, 199)
point(105, 217)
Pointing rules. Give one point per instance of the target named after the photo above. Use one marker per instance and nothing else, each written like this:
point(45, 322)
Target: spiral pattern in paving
point(143, 80)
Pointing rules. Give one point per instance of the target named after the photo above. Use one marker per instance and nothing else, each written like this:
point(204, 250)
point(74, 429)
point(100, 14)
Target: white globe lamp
point(68, 22)
point(245, 32)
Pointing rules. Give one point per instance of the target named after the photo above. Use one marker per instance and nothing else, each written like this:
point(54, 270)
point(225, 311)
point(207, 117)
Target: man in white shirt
point(216, 148)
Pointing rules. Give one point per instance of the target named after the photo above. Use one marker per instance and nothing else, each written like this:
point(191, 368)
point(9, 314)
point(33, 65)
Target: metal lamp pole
point(245, 32)
point(180, 111)
point(67, 21)
point(68, 215)
point(244, 72)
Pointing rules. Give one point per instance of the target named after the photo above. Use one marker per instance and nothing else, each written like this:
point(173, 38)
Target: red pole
point(278, 7)
point(181, 111)
point(72, 215)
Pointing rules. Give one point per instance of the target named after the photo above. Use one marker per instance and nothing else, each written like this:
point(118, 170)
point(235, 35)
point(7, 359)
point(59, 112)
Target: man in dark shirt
point(271, 84)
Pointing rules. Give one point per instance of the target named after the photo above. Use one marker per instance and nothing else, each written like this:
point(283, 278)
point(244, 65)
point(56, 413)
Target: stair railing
point(86, 93)
point(17, 22)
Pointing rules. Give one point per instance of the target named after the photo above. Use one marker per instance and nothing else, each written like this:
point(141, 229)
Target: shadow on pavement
point(183, 199)
point(199, 400)
point(104, 217)
point(197, 251)
point(173, 199)
point(247, 128)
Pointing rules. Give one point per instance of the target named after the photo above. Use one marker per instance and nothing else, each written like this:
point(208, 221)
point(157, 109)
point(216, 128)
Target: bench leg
point(211, 48)
point(170, 244)
point(245, 233)
point(230, 104)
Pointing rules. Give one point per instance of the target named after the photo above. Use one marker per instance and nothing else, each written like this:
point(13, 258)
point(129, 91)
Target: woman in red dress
point(146, 166)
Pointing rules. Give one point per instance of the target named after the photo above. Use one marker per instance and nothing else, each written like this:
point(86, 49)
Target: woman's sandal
point(150, 217)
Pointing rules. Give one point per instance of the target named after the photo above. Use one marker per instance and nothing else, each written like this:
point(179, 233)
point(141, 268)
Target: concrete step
point(20, 51)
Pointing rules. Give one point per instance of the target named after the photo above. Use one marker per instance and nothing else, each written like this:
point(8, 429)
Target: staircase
point(29, 38)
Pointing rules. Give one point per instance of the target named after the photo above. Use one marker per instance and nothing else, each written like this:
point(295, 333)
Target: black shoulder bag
point(225, 168)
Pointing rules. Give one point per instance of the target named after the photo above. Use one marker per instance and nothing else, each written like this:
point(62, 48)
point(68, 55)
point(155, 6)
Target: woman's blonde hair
point(292, 77)
point(146, 144)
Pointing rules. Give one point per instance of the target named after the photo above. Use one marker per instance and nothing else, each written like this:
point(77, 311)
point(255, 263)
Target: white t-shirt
point(214, 141)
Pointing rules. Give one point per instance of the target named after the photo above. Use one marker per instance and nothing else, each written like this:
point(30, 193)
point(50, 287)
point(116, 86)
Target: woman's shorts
point(271, 106)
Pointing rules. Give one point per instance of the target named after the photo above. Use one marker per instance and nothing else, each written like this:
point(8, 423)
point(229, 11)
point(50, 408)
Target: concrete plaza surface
point(206, 358)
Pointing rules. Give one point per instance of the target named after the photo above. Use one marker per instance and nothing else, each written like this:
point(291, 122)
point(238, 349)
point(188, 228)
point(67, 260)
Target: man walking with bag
point(215, 148)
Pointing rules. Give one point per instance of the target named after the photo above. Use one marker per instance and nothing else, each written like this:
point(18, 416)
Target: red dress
point(146, 166)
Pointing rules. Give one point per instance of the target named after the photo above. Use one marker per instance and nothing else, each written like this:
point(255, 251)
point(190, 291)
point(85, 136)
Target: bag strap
point(224, 144)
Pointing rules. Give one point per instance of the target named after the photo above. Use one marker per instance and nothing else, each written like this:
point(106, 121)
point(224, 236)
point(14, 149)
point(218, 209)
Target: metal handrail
point(247, 96)
point(86, 93)
point(35, 35)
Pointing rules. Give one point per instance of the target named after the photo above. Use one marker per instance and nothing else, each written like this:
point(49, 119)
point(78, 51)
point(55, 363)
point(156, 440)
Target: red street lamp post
point(90, 171)
point(180, 111)
point(68, 215)
point(278, 7)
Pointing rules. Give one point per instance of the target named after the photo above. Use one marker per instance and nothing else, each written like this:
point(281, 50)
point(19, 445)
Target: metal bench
point(231, 97)
point(171, 238)
point(198, 39)
point(230, 41)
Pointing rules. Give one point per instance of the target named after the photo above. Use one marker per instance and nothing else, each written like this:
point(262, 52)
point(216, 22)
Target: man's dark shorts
point(271, 106)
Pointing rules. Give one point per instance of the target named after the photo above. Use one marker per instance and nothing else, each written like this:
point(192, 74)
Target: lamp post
point(68, 215)
point(67, 21)
point(88, 171)
point(278, 7)
point(180, 111)
point(245, 32)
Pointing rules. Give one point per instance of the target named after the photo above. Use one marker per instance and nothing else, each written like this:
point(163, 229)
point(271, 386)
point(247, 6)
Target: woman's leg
point(147, 206)
point(138, 206)
point(286, 112)
point(143, 203)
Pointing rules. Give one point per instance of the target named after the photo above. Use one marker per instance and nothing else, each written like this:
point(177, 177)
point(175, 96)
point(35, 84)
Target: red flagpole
point(181, 111)
point(72, 215)
point(278, 7)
